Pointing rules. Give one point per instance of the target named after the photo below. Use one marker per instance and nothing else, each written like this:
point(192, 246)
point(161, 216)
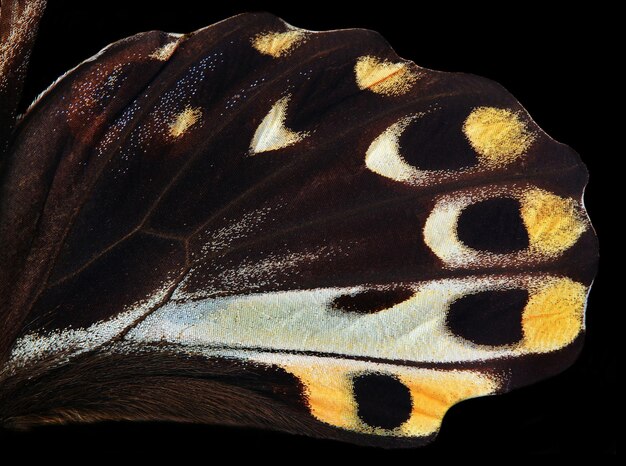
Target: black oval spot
point(493, 225)
point(489, 317)
point(370, 301)
point(434, 142)
point(383, 401)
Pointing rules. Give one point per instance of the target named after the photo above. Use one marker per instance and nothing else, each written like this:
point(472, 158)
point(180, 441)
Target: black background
point(548, 61)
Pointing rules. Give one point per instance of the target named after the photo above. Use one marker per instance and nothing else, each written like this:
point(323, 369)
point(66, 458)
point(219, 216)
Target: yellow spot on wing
point(383, 76)
point(553, 317)
point(553, 222)
point(272, 133)
point(434, 392)
point(184, 120)
point(330, 393)
point(278, 44)
point(498, 135)
point(165, 52)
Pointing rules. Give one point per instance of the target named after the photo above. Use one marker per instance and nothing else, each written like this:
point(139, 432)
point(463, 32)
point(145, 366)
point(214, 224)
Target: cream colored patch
point(498, 135)
point(278, 44)
point(330, 395)
point(440, 232)
point(165, 52)
point(383, 76)
point(553, 223)
point(553, 317)
point(184, 120)
point(272, 133)
point(383, 155)
point(305, 320)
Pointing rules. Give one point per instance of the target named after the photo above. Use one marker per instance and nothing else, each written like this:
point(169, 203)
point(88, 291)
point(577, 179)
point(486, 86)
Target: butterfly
point(259, 225)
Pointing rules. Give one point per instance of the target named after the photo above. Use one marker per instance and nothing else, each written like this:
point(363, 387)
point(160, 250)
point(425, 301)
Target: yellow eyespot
point(524, 224)
point(517, 315)
point(335, 394)
point(498, 136)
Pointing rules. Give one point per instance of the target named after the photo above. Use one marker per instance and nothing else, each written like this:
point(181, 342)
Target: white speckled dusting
point(71, 342)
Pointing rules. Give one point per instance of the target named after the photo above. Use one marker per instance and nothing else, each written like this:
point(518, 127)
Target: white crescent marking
point(272, 133)
point(383, 155)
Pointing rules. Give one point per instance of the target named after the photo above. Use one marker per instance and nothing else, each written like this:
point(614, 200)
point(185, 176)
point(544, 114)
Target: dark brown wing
point(19, 20)
point(259, 225)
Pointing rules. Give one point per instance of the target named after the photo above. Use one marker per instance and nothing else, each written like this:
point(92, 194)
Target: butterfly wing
point(259, 225)
point(19, 20)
